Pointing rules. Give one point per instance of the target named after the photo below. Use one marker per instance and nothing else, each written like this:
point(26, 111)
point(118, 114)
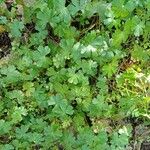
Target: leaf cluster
point(77, 70)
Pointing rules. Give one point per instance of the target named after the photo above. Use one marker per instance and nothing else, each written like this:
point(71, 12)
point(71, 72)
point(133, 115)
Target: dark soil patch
point(9, 4)
point(4, 139)
point(5, 44)
point(145, 146)
point(51, 36)
point(30, 27)
point(68, 2)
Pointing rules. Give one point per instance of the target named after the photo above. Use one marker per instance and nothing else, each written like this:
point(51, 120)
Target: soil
point(5, 44)
point(145, 146)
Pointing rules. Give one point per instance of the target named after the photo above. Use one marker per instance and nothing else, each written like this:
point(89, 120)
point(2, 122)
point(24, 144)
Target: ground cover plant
point(74, 74)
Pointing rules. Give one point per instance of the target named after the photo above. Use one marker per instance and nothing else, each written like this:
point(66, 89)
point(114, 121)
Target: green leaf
point(139, 53)
point(11, 74)
point(119, 141)
point(110, 69)
point(102, 84)
point(61, 106)
point(139, 29)
point(17, 114)
point(73, 79)
point(99, 107)
point(22, 132)
point(119, 37)
point(7, 147)
point(3, 20)
point(43, 18)
point(52, 101)
point(59, 61)
point(39, 56)
point(5, 127)
point(35, 137)
point(10, 70)
point(88, 67)
point(77, 5)
point(16, 94)
point(16, 27)
point(29, 88)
